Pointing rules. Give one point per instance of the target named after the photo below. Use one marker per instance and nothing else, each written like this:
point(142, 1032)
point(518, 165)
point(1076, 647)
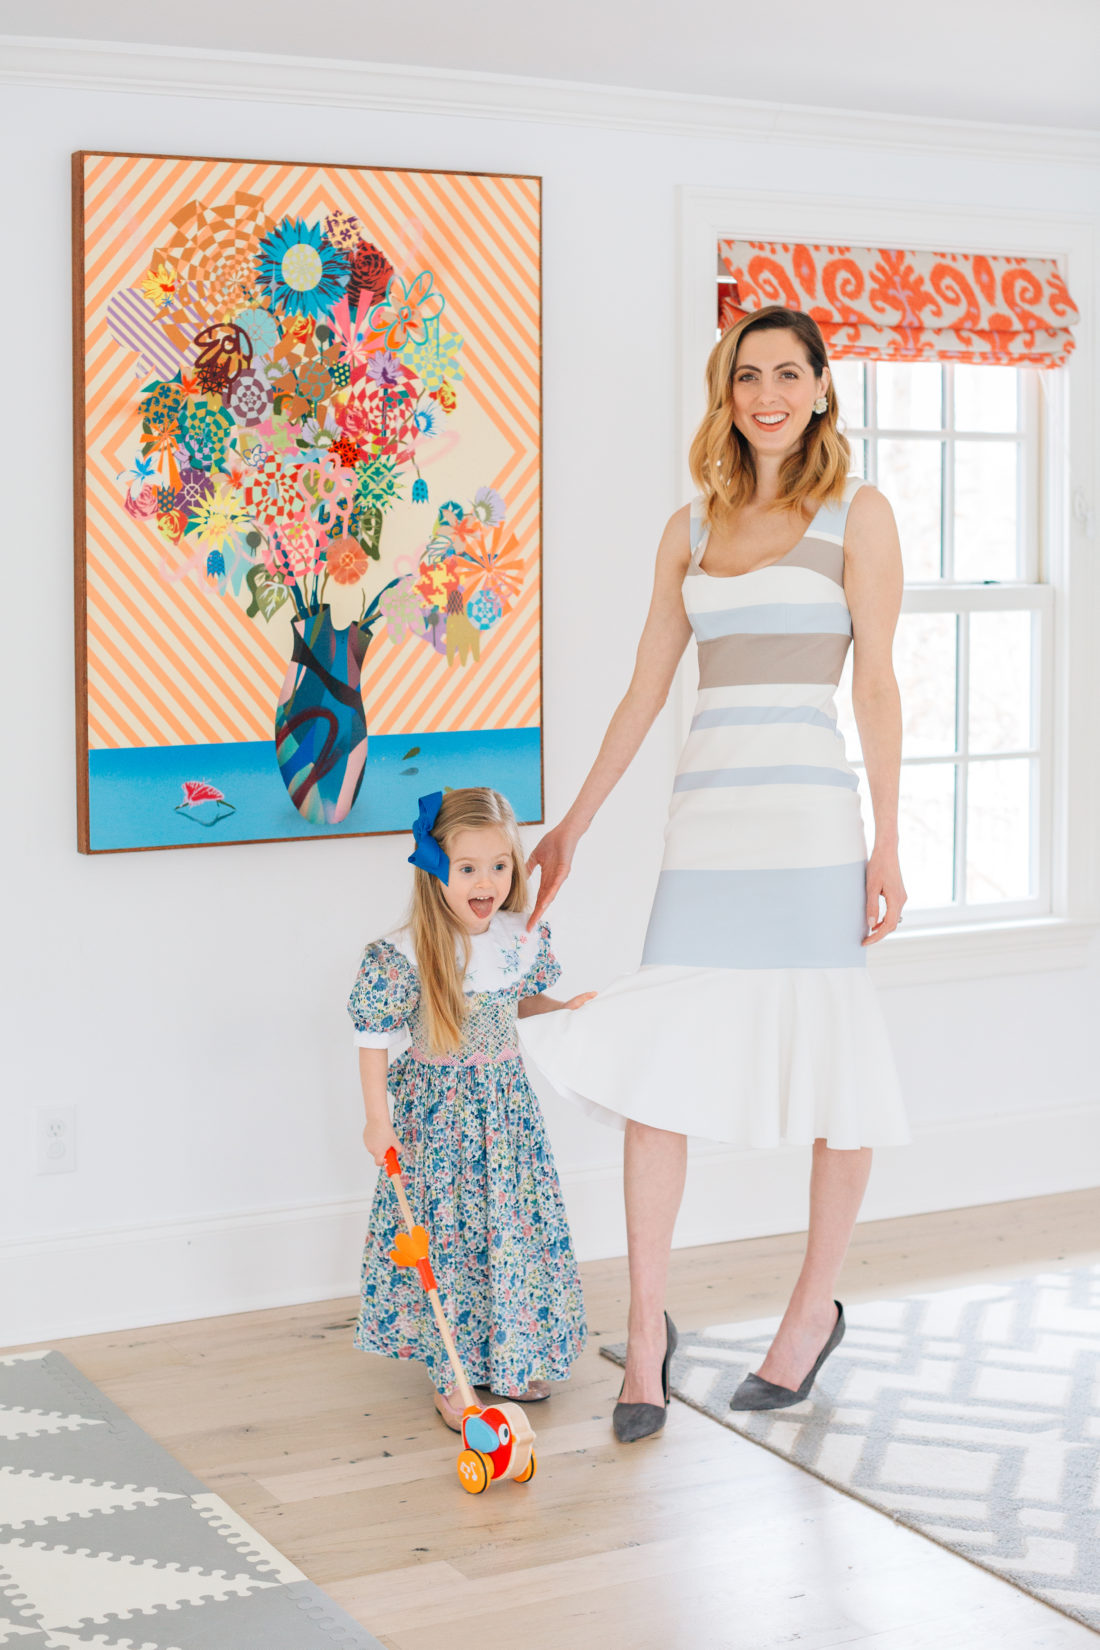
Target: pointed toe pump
point(634, 1421)
point(754, 1393)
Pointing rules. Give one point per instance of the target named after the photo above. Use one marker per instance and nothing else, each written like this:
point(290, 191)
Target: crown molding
point(178, 71)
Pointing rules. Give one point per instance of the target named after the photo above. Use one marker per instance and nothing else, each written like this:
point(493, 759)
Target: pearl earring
point(821, 405)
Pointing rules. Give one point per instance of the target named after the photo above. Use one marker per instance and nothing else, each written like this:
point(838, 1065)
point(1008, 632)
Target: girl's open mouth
point(770, 421)
point(481, 907)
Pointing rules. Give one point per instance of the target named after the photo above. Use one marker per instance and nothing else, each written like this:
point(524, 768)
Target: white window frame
point(1030, 594)
point(1069, 802)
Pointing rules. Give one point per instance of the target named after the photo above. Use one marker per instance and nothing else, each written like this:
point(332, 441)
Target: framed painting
point(308, 496)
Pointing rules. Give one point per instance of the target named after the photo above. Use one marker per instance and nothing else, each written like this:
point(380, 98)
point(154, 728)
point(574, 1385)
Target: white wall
point(192, 1004)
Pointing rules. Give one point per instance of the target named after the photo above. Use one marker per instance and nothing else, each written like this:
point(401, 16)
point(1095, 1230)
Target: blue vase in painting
point(320, 727)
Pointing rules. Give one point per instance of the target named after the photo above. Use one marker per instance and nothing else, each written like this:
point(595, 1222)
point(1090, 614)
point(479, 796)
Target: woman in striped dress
point(752, 1019)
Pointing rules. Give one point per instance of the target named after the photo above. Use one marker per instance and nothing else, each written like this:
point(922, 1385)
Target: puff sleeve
point(545, 970)
point(385, 993)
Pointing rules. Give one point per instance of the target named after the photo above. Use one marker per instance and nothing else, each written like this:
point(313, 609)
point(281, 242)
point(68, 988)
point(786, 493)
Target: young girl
point(442, 994)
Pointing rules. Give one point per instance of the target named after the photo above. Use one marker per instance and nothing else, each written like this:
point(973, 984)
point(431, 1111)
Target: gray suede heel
point(633, 1421)
point(753, 1393)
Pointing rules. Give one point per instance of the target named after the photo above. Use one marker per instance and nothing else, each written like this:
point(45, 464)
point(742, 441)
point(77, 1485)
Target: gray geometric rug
point(972, 1415)
point(106, 1541)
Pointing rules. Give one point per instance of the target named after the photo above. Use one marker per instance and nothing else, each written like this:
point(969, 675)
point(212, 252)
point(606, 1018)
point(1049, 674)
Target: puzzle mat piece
point(51, 1382)
point(71, 1589)
point(61, 1386)
point(168, 1533)
point(296, 1617)
point(107, 1455)
point(247, 1542)
point(15, 1604)
point(19, 1635)
point(98, 1454)
point(40, 1423)
point(28, 1498)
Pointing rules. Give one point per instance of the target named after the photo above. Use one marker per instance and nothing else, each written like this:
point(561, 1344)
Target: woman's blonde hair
point(723, 465)
point(437, 934)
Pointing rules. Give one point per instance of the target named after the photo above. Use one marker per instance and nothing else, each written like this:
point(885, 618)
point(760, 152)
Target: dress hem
point(615, 1119)
point(547, 1369)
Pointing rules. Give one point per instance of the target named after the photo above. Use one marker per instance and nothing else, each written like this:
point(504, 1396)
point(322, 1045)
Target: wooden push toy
point(497, 1442)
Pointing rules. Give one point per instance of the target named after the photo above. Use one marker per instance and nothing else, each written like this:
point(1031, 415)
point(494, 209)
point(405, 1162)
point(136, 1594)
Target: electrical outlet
point(56, 1139)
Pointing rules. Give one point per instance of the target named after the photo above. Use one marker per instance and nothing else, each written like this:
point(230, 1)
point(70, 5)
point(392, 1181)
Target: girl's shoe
point(536, 1392)
point(450, 1416)
point(754, 1393)
point(633, 1421)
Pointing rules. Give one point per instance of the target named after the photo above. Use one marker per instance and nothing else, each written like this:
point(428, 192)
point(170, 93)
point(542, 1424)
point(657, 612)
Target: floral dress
point(479, 1173)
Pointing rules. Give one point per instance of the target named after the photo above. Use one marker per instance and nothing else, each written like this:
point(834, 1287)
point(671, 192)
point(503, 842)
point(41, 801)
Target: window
point(957, 451)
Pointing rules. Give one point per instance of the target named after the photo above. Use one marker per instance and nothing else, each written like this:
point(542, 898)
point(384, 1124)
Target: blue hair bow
point(428, 855)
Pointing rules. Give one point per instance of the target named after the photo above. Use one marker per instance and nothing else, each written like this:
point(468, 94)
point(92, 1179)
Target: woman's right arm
point(663, 640)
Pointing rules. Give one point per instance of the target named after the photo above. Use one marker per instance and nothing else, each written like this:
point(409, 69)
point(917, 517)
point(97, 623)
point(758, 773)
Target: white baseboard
point(950, 1165)
point(130, 1277)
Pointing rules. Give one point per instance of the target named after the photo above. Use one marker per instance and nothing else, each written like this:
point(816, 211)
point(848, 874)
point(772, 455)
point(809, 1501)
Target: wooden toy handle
point(465, 1391)
point(393, 1169)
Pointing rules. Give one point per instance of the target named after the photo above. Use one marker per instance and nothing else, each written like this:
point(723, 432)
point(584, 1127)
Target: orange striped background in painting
point(169, 660)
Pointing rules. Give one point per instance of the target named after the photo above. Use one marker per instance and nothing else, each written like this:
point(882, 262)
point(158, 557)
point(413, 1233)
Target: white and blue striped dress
point(752, 1019)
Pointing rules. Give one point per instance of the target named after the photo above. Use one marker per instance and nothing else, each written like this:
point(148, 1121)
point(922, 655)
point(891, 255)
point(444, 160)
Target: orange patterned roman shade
point(892, 305)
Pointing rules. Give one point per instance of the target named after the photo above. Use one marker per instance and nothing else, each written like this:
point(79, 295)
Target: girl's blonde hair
point(722, 462)
point(436, 929)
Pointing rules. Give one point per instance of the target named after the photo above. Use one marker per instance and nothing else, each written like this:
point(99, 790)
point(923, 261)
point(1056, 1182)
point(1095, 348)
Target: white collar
point(498, 957)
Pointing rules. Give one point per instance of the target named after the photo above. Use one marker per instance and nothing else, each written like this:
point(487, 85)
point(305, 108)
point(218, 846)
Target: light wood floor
point(698, 1540)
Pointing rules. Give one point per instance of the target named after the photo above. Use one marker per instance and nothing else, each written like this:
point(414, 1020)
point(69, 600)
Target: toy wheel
point(528, 1472)
point(474, 1472)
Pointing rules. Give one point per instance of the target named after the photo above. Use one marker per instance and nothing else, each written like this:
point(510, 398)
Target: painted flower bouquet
point(298, 381)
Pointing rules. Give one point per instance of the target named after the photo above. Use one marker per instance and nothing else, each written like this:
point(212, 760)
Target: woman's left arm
point(873, 582)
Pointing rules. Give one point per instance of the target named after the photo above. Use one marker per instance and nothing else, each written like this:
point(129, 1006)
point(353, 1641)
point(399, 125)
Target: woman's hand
point(883, 883)
point(554, 858)
point(378, 1138)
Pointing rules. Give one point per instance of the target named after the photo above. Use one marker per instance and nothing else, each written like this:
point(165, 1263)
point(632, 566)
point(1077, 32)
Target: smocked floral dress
point(479, 1172)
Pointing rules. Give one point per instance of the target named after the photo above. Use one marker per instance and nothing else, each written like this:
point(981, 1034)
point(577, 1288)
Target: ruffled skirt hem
point(754, 1058)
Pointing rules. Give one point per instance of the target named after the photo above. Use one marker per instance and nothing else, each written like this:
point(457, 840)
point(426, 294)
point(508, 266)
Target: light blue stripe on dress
point(775, 619)
point(753, 716)
point(811, 917)
point(781, 773)
point(831, 519)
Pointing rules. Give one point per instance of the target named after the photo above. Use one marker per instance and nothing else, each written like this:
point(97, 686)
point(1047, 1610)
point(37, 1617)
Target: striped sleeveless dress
point(752, 1019)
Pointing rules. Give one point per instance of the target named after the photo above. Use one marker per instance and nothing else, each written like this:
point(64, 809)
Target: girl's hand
point(554, 857)
point(579, 1002)
point(378, 1138)
point(883, 882)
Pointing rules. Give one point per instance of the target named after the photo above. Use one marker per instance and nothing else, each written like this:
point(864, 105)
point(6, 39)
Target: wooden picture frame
point(308, 496)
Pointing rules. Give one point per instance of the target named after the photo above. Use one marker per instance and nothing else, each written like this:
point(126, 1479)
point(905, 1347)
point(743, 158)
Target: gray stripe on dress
point(820, 557)
point(779, 773)
point(753, 716)
point(808, 917)
point(750, 661)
